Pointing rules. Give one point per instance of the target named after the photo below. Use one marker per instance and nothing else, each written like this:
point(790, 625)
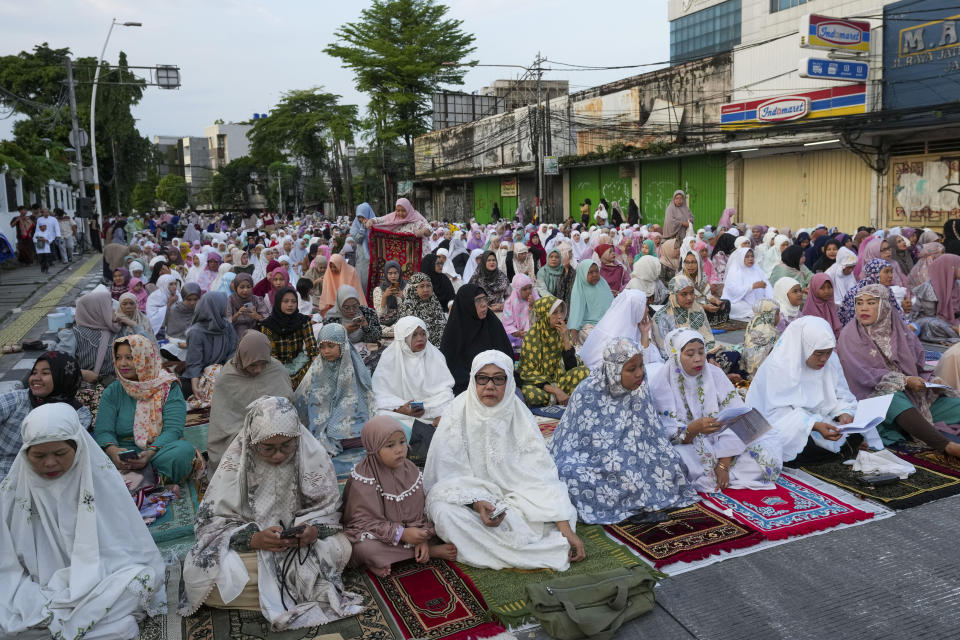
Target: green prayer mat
point(197, 436)
point(503, 590)
point(178, 521)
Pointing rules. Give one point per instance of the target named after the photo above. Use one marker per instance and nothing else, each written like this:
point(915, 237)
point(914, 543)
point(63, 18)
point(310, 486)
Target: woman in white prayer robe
point(801, 390)
point(412, 370)
point(487, 454)
point(76, 560)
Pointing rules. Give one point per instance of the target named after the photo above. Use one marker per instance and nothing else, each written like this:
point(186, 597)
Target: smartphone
point(358, 319)
point(498, 511)
point(416, 406)
point(293, 532)
point(880, 479)
point(128, 455)
point(249, 305)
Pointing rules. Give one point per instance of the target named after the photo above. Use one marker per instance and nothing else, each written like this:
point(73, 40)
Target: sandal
point(13, 347)
point(35, 345)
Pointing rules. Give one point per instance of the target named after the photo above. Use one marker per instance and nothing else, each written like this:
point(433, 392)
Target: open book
point(748, 424)
point(870, 413)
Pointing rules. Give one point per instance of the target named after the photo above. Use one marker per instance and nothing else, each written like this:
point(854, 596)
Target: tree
point(230, 186)
point(401, 52)
point(144, 195)
point(172, 189)
point(307, 126)
point(35, 88)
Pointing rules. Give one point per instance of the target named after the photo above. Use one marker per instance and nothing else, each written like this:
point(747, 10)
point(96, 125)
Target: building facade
point(227, 142)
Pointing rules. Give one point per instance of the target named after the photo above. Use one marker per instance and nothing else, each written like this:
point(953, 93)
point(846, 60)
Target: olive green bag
point(592, 606)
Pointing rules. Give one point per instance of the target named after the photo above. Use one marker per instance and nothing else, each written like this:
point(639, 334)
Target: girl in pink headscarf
point(518, 309)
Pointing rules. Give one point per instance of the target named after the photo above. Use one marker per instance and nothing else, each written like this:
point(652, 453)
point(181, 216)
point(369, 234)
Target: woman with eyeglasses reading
point(471, 328)
point(493, 490)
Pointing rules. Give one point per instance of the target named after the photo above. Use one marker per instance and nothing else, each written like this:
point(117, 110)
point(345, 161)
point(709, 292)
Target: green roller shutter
point(595, 183)
point(486, 191)
point(703, 178)
point(615, 188)
point(658, 180)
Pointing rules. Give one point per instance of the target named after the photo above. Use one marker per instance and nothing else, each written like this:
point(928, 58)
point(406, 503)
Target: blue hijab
point(588, 302)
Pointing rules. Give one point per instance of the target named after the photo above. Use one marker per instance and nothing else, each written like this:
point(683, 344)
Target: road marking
point(26, 320)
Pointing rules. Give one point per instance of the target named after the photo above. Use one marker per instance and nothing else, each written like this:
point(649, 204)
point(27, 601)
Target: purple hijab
point(825, 309)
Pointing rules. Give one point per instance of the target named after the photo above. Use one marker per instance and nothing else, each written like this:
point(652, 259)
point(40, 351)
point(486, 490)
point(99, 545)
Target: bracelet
point(722, 466)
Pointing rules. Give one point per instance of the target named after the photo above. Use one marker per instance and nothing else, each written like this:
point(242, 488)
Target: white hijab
point(788, 311)
point(471, 265)
point(402, 375)
point(771, 257)
point(157, 302)
point(842, 283)
point(620, 321)
point(74, 547)
point(494, 453)
point(784, 383)
point(645, 272)
point(738, 283)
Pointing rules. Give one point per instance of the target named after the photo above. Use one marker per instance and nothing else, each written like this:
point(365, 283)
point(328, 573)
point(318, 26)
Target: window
point(707, 32)
point(783, 5)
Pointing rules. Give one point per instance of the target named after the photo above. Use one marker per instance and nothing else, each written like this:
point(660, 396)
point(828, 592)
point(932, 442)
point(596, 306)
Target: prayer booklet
point(934, 385)
point(870, 413)
point(746, 423)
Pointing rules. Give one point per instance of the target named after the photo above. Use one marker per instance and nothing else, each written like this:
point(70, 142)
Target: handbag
point(592, 606)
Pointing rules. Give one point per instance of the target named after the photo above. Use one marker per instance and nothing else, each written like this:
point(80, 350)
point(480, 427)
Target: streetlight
point(93, 115)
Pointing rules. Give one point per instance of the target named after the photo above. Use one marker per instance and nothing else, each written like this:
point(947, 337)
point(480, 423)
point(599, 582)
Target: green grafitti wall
point(486, 191)
point(596, 183)
point(704, 178)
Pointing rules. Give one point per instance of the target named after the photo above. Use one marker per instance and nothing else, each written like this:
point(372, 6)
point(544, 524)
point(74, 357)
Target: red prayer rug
point(405, 248)
point(434, 600)
point(692, 533)
point(791, 509)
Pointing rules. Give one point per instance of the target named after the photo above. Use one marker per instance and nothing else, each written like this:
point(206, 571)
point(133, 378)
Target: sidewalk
point(27, 296)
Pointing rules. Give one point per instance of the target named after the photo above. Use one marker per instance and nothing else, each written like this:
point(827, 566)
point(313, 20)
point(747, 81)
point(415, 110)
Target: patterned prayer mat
point(387, 245)
point(178, 520)
point(232, 624)
point(730, 325)
point(197, 436)
point(433, 600)
point(931, 482)
point(792, 509)
point(547, 427)
point(198, 416)
point(504, 590)
point(692, 533)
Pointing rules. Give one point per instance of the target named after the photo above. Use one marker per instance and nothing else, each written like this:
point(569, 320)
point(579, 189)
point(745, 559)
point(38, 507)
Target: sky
point(237, 57)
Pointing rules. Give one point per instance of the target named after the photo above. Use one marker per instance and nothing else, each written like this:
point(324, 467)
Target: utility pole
point(279, 192)
point(76, 139)
point(541, 121)
point(116, 179)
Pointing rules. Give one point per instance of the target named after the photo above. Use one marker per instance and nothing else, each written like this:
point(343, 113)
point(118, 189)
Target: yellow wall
point(800, 190)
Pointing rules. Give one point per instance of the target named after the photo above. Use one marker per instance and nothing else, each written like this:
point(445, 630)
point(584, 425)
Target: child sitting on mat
point(384, 502)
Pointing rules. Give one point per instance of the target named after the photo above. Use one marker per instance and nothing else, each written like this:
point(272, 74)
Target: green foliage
point(401, 52)
point(172, 189)
point(288, 175)
point(230, 185)
point(144, 196)
point(36, 82)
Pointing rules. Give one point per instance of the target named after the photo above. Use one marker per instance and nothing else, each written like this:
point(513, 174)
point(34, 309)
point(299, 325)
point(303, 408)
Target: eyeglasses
point(497, 380)
point(268, 450)
point(482, 301)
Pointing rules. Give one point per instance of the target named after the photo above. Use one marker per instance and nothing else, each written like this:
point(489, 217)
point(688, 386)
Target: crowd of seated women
point(308, 383)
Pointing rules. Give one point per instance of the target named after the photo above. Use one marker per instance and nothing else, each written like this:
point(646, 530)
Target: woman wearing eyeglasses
point(280, 553)
point(493, 490)
point(471, 328)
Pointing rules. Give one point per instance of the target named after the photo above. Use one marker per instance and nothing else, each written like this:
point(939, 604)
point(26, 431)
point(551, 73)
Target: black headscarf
point(66, 380)
point(282, 323)
point(791, 256)
point(725, 243)
point(385, 283)
point(951, 236)
point(823, 262)
point(466, 335)
point(442, 287)
point(633, 212)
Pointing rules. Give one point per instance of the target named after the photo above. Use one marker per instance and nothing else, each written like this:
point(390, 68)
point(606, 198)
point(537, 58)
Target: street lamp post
point(93, 116)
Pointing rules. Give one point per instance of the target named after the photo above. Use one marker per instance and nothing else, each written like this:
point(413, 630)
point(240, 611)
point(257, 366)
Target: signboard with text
point(921, 58)
point(824, 32)
point(847, 70)
point(508, 188)
point(820, 103)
